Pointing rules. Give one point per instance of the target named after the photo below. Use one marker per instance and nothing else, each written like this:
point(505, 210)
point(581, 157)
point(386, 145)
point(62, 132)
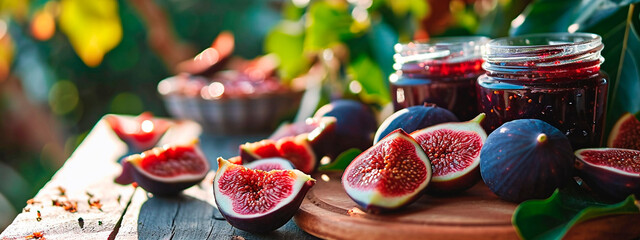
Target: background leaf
point(285, 40)
point(552, 218)
point(93, 27)
point(342, 161)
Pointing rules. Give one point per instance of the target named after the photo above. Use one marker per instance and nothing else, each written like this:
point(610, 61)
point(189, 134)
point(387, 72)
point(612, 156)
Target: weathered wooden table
point(106, 210)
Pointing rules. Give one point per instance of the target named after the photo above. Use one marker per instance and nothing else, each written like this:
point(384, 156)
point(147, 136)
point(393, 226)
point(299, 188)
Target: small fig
point(612, 172)
point(414, 118)
point(258, 201)
point(625, 133)
point(293, 148)
point(389, 175)
point(250, 152)
point(268, 164)
point(168, 170)
point(526, 159)
point(355, 126)
point(454, 151)
point(140, 133)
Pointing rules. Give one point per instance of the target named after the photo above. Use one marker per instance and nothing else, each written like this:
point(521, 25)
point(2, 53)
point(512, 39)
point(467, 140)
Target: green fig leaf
point(553, 217)
point(342, 161)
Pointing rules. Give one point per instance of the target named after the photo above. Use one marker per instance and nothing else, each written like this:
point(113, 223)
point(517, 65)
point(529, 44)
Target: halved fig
point(294, 148)
point(297, 128)
point(625, 133)
point(250, 152)
point(268, 164)
point(414, 118)
point(454, 151)
point(140, 133)
point(258, 201)
point(299, 152)
point(389, 175)
point(612, 172)
point(169, 169)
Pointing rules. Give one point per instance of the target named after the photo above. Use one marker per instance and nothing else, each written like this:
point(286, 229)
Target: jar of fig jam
point(442, 71)
point(553, 77)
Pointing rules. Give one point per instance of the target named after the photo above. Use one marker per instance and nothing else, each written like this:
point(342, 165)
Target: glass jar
point(442, 71)
point(553, 77)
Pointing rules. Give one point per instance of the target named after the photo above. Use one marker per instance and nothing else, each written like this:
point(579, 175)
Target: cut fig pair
point(296, 149)
point(394, 172)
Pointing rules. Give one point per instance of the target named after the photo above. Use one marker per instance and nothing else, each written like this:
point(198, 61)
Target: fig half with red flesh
point(296, 149)
point(140, 133)
point(625, 133)
point(268, 164)
point(389, 175)
point(168, 170)
point(250, 152)
point(613, 172)
point(454, 151)
point(258, 201)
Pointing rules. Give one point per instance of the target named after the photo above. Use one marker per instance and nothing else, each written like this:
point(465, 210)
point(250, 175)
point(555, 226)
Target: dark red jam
point(552, 77)
point(442, 72)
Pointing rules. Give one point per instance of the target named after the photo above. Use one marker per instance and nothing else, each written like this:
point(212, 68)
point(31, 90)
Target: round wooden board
point(327, 212)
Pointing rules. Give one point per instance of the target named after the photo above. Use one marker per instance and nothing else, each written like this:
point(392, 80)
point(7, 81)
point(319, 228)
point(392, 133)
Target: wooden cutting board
point(327, 212)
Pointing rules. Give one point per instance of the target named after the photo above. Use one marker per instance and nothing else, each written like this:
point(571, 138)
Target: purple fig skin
point(609, 184)
point(162, 189)
point(453, 187)
point(355, 126)
point(126, 177)
point(414, 118)
point(271, 221)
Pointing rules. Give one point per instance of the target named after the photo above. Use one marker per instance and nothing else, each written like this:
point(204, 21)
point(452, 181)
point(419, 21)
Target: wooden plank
point(192, 215)
point(91, 168)
point(328, 212)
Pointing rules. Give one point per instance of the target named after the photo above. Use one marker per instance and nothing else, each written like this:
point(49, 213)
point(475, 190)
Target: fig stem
point(479, 118)
point(542, 138)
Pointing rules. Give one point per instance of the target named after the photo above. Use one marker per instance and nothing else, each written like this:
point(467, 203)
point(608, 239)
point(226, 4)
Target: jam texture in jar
point(553, 77)
point(442, 71)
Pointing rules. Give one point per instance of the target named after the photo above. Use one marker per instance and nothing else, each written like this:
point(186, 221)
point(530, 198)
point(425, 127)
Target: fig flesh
point(625, 133)
point(414, 118)
point(258, 201)
point(250, 152)
point(293, 148)
point(140, 133)
point(526, 159)
point(355, 126)
point(612, 172)
point(167, 170)
point(389, 175)
point(454, 151)
point(269, 164)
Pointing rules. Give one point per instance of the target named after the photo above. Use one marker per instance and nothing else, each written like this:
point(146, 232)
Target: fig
point(250, 152)
point(140, 133)
point(321, 132)
point(355, 126)
point(526, 159)
point(293, 148)
point(454, 151)
point(612, 172)
point(258, 201)
point(625, 133)
point(299, 152)
point(269, 164)
point(167, 170)
point(389, 175)
point(414, 118)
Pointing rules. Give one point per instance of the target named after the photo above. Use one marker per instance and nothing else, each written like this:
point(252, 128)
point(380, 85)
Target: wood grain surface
point(128, 212)
point(328, 212)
